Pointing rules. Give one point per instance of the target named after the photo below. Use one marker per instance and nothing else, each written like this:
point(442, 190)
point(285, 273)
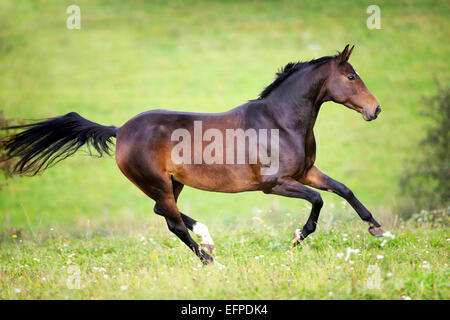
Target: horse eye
point(351, 77)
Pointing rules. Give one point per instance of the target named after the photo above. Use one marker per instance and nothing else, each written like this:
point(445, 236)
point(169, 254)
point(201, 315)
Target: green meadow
point(82, 219)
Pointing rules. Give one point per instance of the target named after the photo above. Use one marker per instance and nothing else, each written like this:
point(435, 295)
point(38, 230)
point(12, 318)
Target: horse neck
point(296, 102)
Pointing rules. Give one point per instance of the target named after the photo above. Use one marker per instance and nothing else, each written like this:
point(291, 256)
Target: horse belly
point(218, 178)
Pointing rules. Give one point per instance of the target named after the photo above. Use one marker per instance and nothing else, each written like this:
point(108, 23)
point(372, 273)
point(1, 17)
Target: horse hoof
point(376, 231)
point(208, 247)
point(207, 260)
point(297, 237)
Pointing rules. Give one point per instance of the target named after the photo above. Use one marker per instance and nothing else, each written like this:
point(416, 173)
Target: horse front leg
point(317, 179)
point(289, 187)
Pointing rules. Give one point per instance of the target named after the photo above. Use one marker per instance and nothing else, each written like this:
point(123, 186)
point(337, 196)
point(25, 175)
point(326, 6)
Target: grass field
point(147, 262)
point(209, 56)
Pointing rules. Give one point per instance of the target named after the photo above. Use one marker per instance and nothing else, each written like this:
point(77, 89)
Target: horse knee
point(347, 193)
point(158, 210)
point(316, 200)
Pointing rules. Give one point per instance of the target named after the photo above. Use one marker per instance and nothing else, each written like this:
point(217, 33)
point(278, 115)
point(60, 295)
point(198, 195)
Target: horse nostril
point(377, 110)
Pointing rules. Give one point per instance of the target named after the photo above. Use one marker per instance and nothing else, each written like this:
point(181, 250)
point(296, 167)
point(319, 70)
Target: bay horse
point(144, 146)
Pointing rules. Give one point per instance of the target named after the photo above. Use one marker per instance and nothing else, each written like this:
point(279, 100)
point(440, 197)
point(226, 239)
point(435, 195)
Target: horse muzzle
point(369, 115)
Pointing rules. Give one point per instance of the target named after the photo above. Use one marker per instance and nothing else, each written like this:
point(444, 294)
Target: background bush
point(426, 183)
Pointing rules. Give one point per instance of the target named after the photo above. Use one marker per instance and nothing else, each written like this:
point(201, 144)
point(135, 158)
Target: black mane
point(289, 69)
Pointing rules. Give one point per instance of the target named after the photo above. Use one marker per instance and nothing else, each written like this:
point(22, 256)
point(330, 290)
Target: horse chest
point(300, 155)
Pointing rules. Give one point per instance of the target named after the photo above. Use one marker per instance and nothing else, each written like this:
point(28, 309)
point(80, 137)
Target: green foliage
point(427, 183)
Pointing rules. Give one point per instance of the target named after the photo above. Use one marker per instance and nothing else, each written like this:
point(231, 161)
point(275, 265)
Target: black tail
point(43, 144)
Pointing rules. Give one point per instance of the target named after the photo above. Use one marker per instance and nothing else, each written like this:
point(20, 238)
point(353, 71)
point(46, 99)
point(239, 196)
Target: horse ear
point(344, 55)
point(350, 52)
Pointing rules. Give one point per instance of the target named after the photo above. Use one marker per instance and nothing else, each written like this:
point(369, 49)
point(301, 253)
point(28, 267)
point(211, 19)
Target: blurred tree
point(426, 183)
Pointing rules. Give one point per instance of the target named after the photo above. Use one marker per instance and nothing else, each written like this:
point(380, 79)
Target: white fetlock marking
point(202, 232)
point(298, 234)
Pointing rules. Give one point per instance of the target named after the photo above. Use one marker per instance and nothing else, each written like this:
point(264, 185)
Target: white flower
point(350, 251)
point(123, 288)
point(406, 298)
point(380, 256)
point(389, 274)
point(17, 290)
point(105, 276)
point(340, 255)
point(388, 234)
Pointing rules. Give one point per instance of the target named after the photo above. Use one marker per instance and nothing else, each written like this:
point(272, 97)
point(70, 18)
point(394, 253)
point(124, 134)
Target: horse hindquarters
point(143, 167)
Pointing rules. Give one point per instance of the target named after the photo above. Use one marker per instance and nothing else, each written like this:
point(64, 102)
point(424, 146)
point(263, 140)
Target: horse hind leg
point(168, 208)
point(199, 229)
point(158, 186)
